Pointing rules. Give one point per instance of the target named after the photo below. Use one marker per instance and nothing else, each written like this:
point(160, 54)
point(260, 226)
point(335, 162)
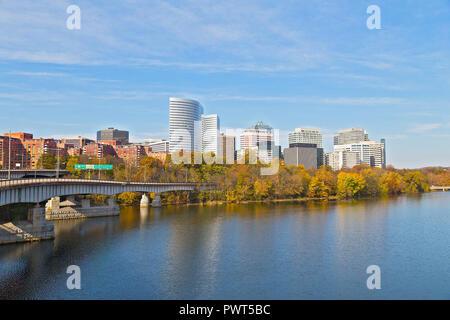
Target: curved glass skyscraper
point(185, 125)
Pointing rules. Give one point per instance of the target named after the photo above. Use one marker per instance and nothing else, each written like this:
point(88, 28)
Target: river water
point(311, 250)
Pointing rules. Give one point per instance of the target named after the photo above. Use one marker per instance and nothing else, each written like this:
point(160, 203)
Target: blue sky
point(288, 63)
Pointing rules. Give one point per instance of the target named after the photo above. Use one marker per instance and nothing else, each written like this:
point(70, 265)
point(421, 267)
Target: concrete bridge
point(447, 188)
point(39, 190)
point(38, 226)
point(29, 173)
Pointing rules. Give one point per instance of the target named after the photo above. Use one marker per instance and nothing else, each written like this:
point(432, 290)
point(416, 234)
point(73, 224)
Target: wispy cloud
point(37, 74)
point(420, 128)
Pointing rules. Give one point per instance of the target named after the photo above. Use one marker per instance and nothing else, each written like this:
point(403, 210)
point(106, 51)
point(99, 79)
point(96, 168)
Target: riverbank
point(333, 199)
point(295, 200)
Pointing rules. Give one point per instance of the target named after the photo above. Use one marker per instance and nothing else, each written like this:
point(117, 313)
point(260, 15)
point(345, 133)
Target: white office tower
point(185, 125)
point(338, 160)
point(258, 138)
point(210, 133)
point(352, 135)
point(371, 153)
point(306, 135)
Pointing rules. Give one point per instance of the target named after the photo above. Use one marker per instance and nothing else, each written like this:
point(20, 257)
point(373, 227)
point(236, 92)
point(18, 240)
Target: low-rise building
point(339, 160)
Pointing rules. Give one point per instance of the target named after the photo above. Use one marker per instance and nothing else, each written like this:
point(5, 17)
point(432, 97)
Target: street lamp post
point(57, 165)
point(9, 155)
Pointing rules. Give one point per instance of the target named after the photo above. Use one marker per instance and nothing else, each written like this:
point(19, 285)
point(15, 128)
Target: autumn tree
point(416, 182)
point(350, 185)
point(392, 183)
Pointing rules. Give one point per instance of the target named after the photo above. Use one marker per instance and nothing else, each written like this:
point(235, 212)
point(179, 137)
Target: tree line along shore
point(244, 182)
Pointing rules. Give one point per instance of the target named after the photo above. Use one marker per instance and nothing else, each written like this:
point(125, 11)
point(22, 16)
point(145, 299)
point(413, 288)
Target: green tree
point(47, 161)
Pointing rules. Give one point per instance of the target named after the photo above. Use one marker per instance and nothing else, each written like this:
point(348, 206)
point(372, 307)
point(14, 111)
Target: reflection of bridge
point(38, 190)
point(29, 173)
point(447, 188)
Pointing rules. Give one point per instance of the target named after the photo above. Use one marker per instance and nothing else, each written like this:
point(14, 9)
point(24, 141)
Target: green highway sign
point(93, 166)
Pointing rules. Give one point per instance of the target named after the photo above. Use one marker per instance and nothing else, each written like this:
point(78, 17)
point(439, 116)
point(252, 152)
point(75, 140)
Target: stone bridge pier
point(72, 209)
point(156, 202)
point(145, 201)
point(36, 227)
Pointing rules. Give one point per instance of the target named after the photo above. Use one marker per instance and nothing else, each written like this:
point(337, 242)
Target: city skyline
point(305, 67)
point(185, 113)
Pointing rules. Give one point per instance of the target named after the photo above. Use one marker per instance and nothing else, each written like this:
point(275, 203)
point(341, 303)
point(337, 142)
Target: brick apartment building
point(98, 150)
point(130, 154)
point(19, 158)
point(34, 148)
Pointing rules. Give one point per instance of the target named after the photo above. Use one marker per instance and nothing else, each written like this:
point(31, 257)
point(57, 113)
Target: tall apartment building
point(19, 157)
point(338, 160)
point(113, 134)
point(352, 135)
point(185, 125)
point(371, 153)
point(306, 135)
point(210, 133)
point(37, 147)
point(228, 148)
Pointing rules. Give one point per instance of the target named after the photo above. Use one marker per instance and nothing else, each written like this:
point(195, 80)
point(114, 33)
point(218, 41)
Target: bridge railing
point(9, 184)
